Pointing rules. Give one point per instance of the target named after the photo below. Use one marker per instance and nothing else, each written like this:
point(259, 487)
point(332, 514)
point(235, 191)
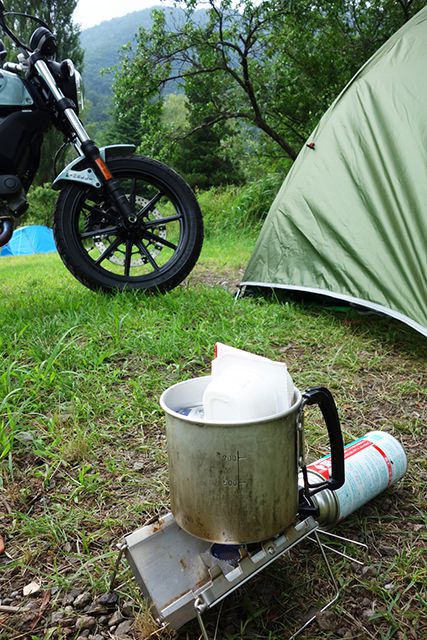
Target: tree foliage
point(58, 14)
point(274, 66)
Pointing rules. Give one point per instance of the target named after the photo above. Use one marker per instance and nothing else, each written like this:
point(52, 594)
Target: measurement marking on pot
point(234, 458)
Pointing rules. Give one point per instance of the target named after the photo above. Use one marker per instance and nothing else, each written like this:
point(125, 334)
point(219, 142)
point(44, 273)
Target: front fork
point(85, 145)
point(92, 153)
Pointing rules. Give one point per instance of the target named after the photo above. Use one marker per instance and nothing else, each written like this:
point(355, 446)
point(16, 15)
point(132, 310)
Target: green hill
point(102, 45)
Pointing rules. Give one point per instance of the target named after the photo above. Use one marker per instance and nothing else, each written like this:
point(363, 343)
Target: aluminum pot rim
point(222, 423)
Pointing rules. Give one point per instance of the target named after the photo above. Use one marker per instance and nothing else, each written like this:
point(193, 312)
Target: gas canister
point(372, 463)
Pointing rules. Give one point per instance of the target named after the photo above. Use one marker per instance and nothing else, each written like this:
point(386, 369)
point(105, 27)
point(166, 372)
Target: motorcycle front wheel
point(155, 254)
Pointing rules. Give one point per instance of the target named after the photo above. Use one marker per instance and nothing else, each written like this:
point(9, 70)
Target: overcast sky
point(91, 12)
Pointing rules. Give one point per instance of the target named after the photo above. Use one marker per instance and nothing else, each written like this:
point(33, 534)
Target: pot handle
point(323, 397)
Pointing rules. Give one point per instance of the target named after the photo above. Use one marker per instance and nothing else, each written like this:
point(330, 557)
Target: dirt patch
point(227, 277)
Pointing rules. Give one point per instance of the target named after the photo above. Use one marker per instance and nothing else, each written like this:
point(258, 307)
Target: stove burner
point(227, 552)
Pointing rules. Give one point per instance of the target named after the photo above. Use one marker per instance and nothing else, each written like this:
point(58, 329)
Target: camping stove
point(183, 576)
point(232, 485)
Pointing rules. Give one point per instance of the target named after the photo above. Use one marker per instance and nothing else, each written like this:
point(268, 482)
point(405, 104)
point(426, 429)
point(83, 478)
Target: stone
point(388, 551)
point(82, 600)
point(115, 619)
point(127, 609)
point(68, 610)
point(54, 591)
point(85, 622)
point(326, 621)
point(71, 596)
point(57, 616)
point(96, 609)
point(103, 620)
point(109, 599)
point(123, 628)
point(31, 589)
point(97, 637)
point(15, 594)
point(33, 605)
point(67, 631)
point(85, 633)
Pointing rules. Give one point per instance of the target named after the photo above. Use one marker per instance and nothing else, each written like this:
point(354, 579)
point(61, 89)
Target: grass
point(83, 450)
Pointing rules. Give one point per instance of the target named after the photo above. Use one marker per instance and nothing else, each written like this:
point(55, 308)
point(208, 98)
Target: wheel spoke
point(128, 256)
point(158, 221)
point(108, 231)
point(150, 205)
point(159, 239)
point(108, 251)
point(92, 208)
point(144, 251)
point(98, 210)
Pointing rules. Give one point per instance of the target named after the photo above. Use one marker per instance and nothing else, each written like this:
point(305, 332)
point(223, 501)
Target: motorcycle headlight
point(79, 90)
point(71, 83)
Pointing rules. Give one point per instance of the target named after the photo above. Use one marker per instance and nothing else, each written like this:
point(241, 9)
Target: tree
point(202, 155)
point(274, 65)
point(58, 14)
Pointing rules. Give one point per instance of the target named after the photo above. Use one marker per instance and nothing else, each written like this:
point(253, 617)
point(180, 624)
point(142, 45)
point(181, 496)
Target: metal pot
point(236, 483)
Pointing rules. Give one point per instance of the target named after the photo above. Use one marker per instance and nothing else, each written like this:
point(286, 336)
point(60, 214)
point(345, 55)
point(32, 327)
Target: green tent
point(349, 222)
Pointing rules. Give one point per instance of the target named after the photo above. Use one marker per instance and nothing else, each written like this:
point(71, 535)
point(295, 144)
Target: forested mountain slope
point(102, 45)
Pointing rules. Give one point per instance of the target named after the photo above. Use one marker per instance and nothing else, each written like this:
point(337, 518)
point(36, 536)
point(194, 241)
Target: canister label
point(372, 463)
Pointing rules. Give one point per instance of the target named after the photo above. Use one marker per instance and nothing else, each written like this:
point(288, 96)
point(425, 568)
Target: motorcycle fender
point(78, 171)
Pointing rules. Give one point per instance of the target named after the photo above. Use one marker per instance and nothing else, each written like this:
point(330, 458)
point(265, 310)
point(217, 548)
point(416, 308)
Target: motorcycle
point(122, 221)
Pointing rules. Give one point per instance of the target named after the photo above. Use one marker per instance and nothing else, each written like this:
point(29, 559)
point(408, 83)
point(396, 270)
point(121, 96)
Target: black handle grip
point(323, 397)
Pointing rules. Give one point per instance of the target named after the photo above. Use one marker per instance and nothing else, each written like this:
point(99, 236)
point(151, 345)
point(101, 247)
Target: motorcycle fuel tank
point(13, 92)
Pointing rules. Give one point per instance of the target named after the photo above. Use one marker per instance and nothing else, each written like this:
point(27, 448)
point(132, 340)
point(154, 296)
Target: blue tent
point(28, 240)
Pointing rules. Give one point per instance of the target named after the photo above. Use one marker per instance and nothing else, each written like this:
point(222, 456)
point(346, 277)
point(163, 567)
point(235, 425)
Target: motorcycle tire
point(154, 255)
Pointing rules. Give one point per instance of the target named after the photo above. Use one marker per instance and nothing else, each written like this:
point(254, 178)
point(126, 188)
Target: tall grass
point(230, 209)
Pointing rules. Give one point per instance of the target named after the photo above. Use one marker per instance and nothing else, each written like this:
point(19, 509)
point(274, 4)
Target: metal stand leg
point(200, 607)
point(334, 582)
point(342, 539)
point(121, 548)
